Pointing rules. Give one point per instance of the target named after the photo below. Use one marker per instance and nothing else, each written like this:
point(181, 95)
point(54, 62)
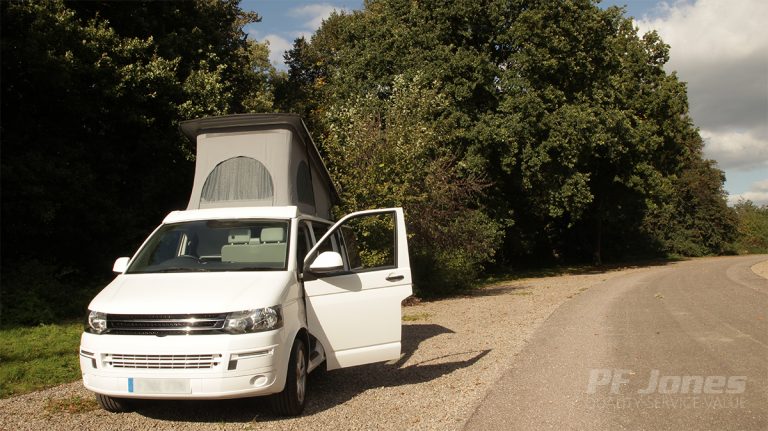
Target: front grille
point(165, 324)
point(185, 362)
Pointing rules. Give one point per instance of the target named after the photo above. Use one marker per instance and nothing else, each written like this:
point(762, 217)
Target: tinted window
point(319, 230)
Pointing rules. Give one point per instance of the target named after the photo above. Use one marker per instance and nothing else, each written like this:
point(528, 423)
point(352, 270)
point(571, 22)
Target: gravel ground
point(454, 350)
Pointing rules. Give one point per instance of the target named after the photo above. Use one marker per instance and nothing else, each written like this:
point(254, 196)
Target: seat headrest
point(239, 236)
point(272, 234)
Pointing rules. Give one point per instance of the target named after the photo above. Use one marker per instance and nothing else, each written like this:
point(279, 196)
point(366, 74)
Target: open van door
point(355, 278)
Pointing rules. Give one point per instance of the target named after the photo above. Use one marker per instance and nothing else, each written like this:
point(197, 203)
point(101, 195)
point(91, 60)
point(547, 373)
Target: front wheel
point(290, 402)
point(111, 404)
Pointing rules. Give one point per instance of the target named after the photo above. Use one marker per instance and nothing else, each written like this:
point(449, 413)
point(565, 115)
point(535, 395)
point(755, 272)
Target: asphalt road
point(681, 347)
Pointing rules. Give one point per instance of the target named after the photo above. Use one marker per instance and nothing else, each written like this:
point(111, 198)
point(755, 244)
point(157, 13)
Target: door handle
point(395, 277)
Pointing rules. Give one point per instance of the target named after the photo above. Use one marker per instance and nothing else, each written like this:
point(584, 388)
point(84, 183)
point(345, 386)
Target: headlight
point(97, 322)
point(258, 320)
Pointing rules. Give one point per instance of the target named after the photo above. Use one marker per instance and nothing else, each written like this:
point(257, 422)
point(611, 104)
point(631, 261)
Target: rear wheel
point(111, 404)
point(290, 402)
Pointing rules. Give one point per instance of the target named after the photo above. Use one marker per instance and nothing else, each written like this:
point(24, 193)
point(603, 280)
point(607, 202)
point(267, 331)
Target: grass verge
point(33, 358)
point(414, 317)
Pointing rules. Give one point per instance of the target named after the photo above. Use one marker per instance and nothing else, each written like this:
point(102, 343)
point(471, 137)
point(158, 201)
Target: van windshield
point(215, 245)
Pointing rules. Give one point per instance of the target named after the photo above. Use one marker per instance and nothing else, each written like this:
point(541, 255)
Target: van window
point(238, 179)
point(370, 241)
point(319, 229)
point(304, 184)
point(215, 245)
point(366, 242)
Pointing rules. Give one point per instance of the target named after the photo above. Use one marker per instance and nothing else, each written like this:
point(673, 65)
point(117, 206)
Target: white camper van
point(251, 287)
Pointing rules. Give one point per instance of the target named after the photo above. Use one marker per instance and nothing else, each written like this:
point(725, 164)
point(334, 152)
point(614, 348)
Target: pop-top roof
point(258, 160)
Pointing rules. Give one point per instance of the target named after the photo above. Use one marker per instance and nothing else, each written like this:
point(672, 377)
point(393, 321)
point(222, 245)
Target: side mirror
point(327, 261)
point(121, 264)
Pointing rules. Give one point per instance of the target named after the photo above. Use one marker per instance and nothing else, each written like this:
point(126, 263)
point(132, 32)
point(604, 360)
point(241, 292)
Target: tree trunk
point(597, 251)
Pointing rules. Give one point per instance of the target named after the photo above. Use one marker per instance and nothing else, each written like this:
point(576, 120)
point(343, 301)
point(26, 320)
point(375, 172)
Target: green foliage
point(509, 130)
point(387, 153)
point(695, 221)
point(92, 159)
point(38, 357)
point(576, 140)
point(752, 227)
point(415, 317)
point(35, 292)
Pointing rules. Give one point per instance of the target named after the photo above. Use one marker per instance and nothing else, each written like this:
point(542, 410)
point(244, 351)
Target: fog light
point(89, 355)
point(259, 380)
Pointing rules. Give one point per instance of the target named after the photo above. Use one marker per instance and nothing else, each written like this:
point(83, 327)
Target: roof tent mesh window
point(304, 184)
point(238, 179)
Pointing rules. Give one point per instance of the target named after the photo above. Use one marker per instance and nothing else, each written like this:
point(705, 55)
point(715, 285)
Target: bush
point(39, 293)
point(386, 153)
point(752, 228)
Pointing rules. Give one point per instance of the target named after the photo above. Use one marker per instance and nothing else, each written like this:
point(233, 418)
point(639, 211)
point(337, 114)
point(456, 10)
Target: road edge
point(761, 269)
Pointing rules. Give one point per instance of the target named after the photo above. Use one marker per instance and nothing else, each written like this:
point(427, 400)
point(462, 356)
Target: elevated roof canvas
point(258, 160)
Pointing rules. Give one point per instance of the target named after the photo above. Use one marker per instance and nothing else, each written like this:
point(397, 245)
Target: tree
point(752, 227)
point(92, 159)
point(390, 137)
point(388, 153)
point(560, 106)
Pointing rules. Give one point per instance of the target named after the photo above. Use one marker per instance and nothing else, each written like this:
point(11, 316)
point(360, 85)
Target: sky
point(718, 47)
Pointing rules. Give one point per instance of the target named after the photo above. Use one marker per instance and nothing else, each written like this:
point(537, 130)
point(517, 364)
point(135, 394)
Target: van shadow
point(326, 389)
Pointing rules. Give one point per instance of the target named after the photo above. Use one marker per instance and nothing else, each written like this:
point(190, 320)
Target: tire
point(290, 402)
point(320, 371)
point(111, 404)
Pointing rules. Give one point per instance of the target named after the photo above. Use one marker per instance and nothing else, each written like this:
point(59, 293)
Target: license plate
point(158, 386)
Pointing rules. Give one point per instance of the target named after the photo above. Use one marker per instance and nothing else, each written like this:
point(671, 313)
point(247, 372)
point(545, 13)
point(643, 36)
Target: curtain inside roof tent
point(238, 179)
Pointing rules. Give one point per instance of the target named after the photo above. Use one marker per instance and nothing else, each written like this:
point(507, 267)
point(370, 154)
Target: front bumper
point(184, 367)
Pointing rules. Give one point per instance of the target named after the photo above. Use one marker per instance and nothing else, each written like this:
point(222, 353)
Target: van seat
point(272, 234)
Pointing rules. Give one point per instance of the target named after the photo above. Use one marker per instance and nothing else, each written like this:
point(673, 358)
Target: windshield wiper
point(253, 268)
point(178, 269)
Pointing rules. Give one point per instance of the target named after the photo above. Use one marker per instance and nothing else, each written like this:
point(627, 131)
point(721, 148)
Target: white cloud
point(736, 150)
point(277, 47)
point(306, 20)
point(720, 48)
point(758, 194)
point(314, 14)
point(758, 198)
point(719, 30)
